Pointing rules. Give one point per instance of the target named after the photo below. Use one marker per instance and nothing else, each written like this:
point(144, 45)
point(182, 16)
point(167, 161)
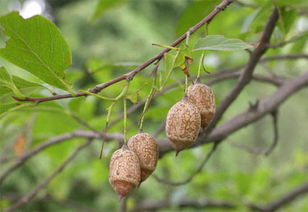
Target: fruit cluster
point(185, 119)
point(133, 163)
point(136, 160)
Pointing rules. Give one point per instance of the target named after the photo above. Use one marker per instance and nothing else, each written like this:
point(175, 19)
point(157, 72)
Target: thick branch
point(130, 75)
point(282, 201)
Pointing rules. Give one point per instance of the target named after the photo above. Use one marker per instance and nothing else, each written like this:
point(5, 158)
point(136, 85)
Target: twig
point(25, 199)
point(252, 150)
point(245, 78)
point(286, 199)
point(195, 173)
point(285, 57)
point(130, 75)
point(54, 141)
point(274, 115)
point(183, 203)
point(291, 40)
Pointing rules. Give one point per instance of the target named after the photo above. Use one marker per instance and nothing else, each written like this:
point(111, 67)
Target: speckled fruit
point(124, 171)
point(183, 124)
point(203, 97)
point(146, 148)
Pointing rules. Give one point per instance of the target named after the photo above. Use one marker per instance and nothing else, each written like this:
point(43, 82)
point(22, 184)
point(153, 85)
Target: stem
point(165, 46)
point(187, 38)
point(109, 109)
point(147, 103)
point(99, 96)
point(186, 85)
point(200, 64)
point(114, 101)
point(124, 91)
point(125, 120)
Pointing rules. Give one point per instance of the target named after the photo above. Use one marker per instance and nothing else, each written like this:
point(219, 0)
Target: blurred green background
point(111, 38)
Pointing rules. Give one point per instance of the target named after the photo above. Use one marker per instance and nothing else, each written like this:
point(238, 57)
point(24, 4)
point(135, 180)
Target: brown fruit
point(124, 171)
point(146, 148)
point(183, 124)
point(203, 97)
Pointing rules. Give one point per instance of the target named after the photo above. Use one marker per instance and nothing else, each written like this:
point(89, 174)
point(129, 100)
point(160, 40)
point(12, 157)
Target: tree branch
point(130, 75)
point(25, 199)
point(245, 78)
point(282, 201)
point(264, 107)
point(108, 137)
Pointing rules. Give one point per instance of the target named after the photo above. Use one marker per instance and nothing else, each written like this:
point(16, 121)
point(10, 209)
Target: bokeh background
point(109, 41)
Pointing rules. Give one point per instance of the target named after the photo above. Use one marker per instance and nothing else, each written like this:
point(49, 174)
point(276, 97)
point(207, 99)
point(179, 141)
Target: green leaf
point(249, 20)
point(299, 43)
point(220, 43)
point(7, 83)
point(37, 46)
point(14, 85)
point(21, 83)
point(287, 18)
point(134, 97)
point(103, 5)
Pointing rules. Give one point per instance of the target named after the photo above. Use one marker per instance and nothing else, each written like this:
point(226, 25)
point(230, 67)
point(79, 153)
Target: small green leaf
point(37, 46)
point(7, 82)
point(287, 18)
point(249, 20)
point(299, 43)
point(134, 97)
point(103, 5)
point(169, 61)
point(183, 53)
point(220, 43)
